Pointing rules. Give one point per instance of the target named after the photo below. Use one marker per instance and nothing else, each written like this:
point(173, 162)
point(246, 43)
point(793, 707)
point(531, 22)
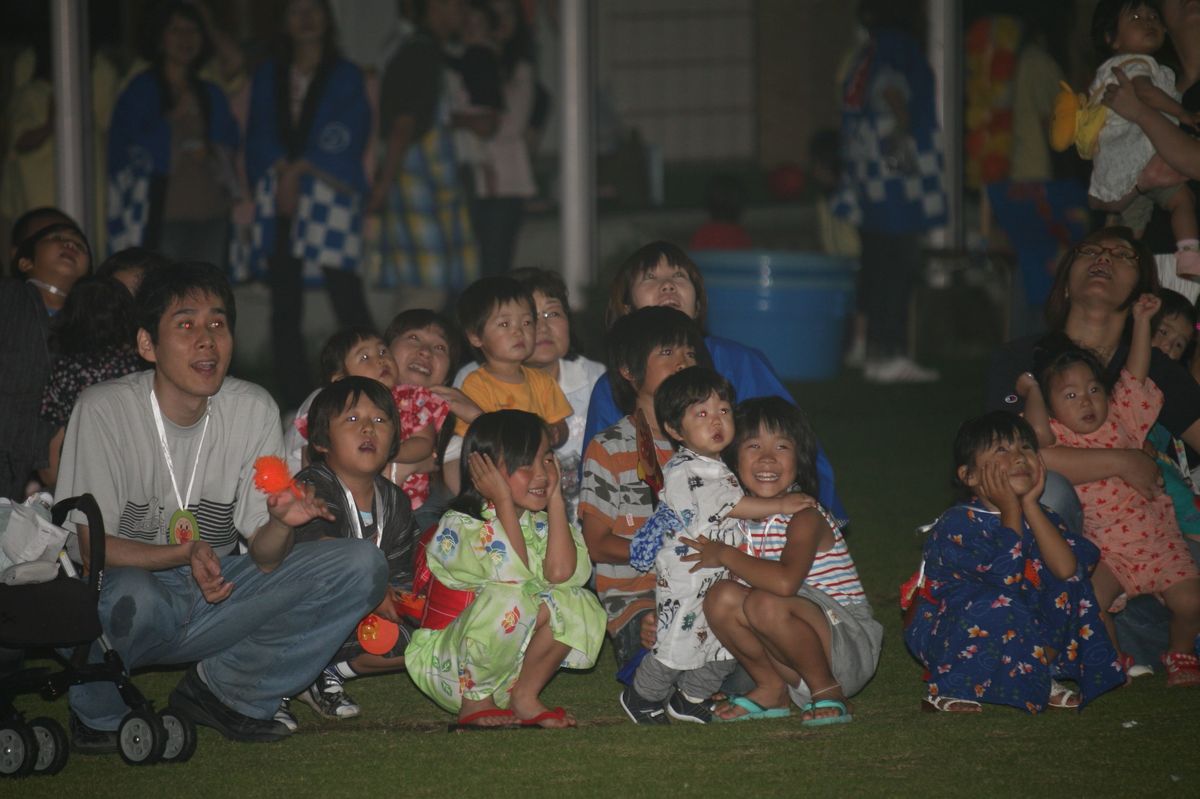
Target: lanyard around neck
point(166, 450)
point(356, 522)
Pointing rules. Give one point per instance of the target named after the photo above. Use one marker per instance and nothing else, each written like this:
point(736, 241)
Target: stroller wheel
point(141, 738)
point(18, 749)
point(52, 746)
point(181, 737)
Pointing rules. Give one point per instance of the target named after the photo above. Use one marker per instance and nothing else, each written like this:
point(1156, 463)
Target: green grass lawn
point(890, 448)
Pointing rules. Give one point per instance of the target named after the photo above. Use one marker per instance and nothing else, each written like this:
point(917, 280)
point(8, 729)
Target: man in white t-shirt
point(169, 455)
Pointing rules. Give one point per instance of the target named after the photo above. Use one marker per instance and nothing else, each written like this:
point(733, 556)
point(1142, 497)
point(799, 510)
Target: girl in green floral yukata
point(532, 613)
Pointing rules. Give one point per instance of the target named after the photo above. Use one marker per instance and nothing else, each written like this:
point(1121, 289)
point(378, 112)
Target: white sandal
point(1062, 697)
point(950, 704)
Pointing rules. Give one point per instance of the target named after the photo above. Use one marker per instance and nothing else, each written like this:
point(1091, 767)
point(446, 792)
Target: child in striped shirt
point(797, 594)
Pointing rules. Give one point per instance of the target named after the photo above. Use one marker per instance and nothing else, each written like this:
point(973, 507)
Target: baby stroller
point(60, 620)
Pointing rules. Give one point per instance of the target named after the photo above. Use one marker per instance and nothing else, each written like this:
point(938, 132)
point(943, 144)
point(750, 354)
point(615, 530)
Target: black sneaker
point(285, 716)
point(680, 708)
point(642, 711)
point(328, 698)
point(192, 699)
point(87, 741)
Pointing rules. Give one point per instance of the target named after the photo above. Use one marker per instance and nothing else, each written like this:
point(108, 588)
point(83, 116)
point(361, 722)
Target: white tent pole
point(72, 109)
point(577, 164)
point(946, 56)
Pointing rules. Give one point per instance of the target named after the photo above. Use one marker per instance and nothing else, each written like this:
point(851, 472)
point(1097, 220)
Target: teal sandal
point(754, 711)
point(843, 713)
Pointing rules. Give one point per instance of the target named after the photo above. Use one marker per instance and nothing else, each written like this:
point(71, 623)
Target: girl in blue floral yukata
point(507, 538)
point(1007, 606)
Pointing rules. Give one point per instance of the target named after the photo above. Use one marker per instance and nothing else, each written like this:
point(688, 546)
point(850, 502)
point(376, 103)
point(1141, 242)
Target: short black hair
point(777, 415)
point(332, 359)
point(684, 389)
point(1106, 17)
point(161, 287)
point(97, 314)
point(337, 397)
point(977, 434)
point(510, 438)
point(632, 338)
point(23, 227)
point(421, 318)
point(132, 258)
point(1054, 353)
point(1173, 304)
point(28, 245)
point(480, 299)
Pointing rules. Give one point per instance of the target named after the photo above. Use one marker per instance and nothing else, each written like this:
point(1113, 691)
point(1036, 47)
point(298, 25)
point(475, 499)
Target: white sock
point(1188, 244)
point(345, 670)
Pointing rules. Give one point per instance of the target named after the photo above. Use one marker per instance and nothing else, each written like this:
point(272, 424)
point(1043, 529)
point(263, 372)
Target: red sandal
point(1183, 669)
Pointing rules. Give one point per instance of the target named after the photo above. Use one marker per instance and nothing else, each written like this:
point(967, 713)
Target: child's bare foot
point(483, 713)
point(532, 712)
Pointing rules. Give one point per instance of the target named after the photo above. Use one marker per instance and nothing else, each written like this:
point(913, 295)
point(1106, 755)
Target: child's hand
point(488, 480)
point(996, 488)
point(554, 472)
point(791, 504)
point(1026, 385)
point(460, 404)
point(387, 608)
point(1146, 306)
point(292, 510)
point(707, 554)
point(1031, 497)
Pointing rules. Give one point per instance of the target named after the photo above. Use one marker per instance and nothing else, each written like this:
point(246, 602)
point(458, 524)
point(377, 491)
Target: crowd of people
point(511, 515)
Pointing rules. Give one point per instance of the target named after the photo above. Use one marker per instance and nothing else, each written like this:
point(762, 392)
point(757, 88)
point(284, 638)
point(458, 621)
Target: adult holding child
point(308, 129)
point(1175, 144)
point(1095, 285)
point(168, 455)
point(1094, 288)
point(662, 274)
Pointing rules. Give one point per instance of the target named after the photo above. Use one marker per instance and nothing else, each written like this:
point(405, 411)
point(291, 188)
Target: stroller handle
point(86, 503)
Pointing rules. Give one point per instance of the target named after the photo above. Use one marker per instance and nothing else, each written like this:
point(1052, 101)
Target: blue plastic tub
point(790, 305)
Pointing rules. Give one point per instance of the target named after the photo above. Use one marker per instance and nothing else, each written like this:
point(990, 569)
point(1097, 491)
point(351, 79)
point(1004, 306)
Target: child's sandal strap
point(826, 689)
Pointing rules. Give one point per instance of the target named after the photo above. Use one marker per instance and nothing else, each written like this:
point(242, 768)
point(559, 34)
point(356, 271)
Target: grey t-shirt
point(111, 450)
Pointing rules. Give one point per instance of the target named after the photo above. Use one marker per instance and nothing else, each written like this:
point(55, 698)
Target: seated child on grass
point(796, 618)
point(1144, 626)
point(644, 349)
point(1142, 550)
point(507, 538)
point(352, 436)
point(1006, 608)
point(702, 497)
point(361, 352)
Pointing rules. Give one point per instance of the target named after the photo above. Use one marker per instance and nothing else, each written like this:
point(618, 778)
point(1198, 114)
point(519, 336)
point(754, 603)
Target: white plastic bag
point(27, 536)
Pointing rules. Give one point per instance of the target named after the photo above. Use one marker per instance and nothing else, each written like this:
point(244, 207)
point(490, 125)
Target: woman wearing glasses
point(1094, 287)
